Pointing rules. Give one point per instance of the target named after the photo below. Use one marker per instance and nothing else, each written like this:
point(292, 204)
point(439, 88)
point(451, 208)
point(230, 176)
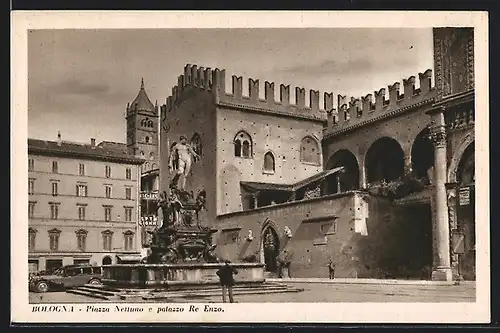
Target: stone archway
point(270, 248)
point(465, 173)
point(467, 141)
point(466, 212)
point(384, 161)
point(347, 180)
point(422, 156)
point(107, 260)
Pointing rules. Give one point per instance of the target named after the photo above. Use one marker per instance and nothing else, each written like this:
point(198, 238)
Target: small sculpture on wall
point(287, 232)
point(249, 238)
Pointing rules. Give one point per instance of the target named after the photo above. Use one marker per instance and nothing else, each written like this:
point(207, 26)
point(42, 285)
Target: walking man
point(226, 278)
point(331, 269)
point(284, 262)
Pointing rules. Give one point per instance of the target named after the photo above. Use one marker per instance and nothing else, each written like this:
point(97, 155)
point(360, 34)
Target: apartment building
point(83, 204)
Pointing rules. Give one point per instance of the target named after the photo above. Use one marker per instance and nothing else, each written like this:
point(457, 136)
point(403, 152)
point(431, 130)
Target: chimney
point(92, 142)
point(59, 141)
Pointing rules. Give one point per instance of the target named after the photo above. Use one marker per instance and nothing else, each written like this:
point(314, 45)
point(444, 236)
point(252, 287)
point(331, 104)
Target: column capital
point(438, 135)
point(436, 110)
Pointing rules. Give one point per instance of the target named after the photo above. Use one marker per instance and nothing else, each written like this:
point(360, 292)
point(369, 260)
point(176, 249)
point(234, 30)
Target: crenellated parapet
point(354, 112)
point(283, 105)
point(198, 78)
point(214, 80)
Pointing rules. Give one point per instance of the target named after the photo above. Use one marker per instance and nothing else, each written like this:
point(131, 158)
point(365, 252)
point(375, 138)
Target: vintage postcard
point(250, 167)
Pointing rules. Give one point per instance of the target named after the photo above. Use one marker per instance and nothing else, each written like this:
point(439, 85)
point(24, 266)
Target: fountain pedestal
point(176, 276)
point(182, 255)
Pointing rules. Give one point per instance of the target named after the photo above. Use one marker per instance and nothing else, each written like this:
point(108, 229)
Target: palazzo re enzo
point(381, 184)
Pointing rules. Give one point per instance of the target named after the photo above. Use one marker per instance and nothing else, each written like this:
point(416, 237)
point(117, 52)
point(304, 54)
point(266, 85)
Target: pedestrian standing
point(331, 269)
point(226, 276)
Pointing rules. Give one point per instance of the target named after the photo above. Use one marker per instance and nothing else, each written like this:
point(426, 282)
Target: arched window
point(196, 144)
point(269, 162)
point(309, 151)
point(243, 145)
point(146, 139)
point(237, 148)
point(150, 123)
point(151, 156)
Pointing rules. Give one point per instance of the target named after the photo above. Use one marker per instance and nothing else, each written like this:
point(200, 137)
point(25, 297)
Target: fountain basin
point(176, 276)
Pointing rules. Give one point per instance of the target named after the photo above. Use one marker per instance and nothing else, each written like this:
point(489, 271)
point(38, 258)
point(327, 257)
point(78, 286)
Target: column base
point(442, 274)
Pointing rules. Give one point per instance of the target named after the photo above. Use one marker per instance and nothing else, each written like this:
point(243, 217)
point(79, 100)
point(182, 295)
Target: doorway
point(53, 264)
point(271, 247)
point(415, 245)
point(107, 260)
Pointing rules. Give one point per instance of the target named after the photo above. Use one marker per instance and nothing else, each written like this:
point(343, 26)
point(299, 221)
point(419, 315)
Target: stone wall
point(279, 135)
point(397, 242)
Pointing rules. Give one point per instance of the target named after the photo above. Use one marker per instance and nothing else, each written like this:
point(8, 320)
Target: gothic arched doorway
point(271, 249)
point(107, 260)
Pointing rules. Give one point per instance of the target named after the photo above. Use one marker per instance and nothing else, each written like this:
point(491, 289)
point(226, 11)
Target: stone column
point(442, 271)
point(256, 200)
point(452, 215)
point(408, 165)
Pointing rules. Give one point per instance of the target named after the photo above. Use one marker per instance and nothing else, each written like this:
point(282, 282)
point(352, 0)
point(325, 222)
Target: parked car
point(65, 277)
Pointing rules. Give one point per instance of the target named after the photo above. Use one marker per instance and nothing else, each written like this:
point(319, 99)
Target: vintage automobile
point(65, 277)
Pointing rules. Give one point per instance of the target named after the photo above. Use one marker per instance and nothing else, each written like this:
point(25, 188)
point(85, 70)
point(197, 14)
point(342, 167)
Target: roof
point(79, 150)
point(142, 101)
point(119, 146)
point(255, 186)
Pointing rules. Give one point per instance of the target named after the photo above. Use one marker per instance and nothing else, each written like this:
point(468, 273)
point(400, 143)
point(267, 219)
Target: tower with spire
point(142, 129)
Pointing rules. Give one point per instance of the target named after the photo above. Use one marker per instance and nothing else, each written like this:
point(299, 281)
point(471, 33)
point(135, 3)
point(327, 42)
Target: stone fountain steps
point(94, 291)
point(107, 293)
point(265, 288)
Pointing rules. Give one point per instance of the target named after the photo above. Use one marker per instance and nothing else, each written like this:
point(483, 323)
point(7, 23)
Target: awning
point(317, 177)
point(129, 257)
point(255, 186)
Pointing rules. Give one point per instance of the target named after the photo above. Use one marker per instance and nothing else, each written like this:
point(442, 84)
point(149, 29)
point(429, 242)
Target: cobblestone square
point(318, 292)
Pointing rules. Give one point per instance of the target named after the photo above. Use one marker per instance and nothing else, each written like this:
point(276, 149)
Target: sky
point(80, 81)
